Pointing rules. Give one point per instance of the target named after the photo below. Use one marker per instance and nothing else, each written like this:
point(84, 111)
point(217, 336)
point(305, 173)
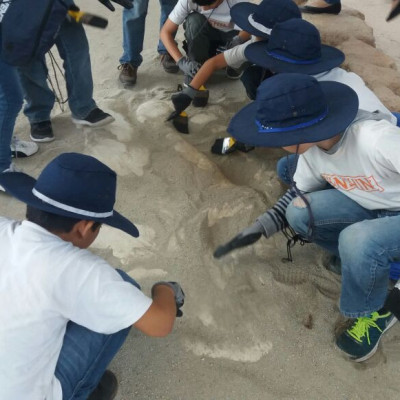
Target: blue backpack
point(29, 28)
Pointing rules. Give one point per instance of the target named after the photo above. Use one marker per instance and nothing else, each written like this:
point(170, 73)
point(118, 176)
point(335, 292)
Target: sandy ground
point(254, 327)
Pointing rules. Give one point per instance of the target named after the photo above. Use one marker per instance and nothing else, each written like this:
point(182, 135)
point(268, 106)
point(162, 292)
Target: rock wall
point(355, 38)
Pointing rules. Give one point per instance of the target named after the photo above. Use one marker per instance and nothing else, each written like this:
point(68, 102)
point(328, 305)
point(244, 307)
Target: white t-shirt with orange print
point(219, 18)
point(365, 167)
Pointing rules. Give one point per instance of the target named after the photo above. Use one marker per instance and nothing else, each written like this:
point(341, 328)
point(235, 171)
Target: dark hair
point(204, 2)
point(53, 222)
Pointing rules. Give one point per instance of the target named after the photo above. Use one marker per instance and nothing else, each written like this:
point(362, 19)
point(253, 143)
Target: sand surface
point(254, 327)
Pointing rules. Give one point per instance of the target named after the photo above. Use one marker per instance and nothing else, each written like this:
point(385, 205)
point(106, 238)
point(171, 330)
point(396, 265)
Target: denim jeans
point(332, 1)
point(133, 26)
point(366, 241)
point(286, 167)
point(73, 47)
point(85, 356)
point(10, 105)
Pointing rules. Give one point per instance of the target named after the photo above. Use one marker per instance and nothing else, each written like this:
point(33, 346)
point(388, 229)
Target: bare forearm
point(160, 317)
point(207, 69)
point(167, 37)
point(245, 36)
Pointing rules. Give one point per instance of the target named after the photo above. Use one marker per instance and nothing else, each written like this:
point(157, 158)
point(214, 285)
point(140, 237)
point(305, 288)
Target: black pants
point(252, 77)
point(202, 39)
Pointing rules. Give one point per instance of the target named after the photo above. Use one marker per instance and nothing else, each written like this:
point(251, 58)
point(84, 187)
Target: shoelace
point(362, 326)
point(292, 238)
point(124, 67)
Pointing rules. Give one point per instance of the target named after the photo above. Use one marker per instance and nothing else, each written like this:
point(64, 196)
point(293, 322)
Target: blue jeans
point(73, 47)
point(286, 167)
point(133, 26)
point(332, 1)
point(366, 241)
point(10, 105)
point(85, 356)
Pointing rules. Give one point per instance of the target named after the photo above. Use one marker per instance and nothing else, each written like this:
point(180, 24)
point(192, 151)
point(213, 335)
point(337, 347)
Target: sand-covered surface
point(254, 327)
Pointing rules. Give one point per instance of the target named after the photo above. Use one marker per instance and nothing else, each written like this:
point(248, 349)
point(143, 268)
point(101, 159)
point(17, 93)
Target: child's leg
point(286, 167)
point(331, 210)
point(85, 356)
point(252, 78)
point(197, 37)
point(366, 250)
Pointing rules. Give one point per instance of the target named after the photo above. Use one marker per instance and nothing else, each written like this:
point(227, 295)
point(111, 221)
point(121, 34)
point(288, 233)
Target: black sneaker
point(42, 131)
point(233, 73)
point(106, 389)
point(169, 64)
point(95, 118)
point(330, 9)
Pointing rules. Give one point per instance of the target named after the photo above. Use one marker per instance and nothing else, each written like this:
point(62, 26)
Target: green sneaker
point(361, 341)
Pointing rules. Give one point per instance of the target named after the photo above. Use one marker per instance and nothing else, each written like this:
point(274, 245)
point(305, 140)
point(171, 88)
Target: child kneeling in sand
point(65, 312)
point(358, 217)
point(254, 19)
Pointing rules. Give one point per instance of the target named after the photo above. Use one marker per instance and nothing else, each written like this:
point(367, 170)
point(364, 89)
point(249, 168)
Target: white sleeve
point(306, 176)
point(181, 10)
point(368, 100)
point(234, 57)
point(386, 149)
point(100, 299)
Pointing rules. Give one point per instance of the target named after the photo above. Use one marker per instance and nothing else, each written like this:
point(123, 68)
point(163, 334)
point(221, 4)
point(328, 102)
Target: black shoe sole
point(333, 9)
point(171, 70)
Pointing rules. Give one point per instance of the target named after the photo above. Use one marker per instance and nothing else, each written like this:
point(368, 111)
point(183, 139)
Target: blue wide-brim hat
point(294, 46)
point(293, 109)
point(72, 185)
point(259, 19)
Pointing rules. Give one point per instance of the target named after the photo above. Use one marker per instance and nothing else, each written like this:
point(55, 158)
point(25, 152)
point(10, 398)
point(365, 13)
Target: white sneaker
point(22, 148)
point(11, 168)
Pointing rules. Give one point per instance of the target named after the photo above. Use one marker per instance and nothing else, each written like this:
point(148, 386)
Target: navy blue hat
point(260, 19)
point(294, 46)
point(294, 109)
point(72, 185)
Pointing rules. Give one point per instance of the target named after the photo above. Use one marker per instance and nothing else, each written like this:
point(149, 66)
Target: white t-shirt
point(219, 18)
point(368, 100)
point(44, 283)
point(365, 167)
point(235, 57)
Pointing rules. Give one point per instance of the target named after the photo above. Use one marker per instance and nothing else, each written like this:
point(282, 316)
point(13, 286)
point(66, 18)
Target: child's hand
point(235, 41)
point(188, 67)
point(246, 237)
point(178, 292)
point(183, 99)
